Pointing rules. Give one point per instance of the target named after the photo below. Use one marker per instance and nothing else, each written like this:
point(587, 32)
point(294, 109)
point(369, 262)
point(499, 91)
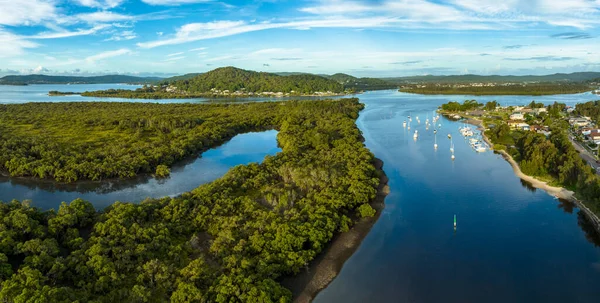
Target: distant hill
point(45, 79)
point(235, 79)
point(560, 77)
point(181, 77)
point(351, 82)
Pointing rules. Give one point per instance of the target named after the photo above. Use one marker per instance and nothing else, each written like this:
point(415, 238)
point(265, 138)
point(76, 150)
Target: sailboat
point(435, 146)
point(454, 221)
point(451, 147)
point(416, 134)
point(404, 124)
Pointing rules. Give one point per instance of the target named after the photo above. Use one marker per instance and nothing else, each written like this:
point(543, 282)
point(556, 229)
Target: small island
point(54, 93)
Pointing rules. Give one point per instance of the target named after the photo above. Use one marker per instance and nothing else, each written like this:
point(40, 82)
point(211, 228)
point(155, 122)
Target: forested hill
point(559, 77)
point(45, 79)
point(354, 83)
point(235, 79)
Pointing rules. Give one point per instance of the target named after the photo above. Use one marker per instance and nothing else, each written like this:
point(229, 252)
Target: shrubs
point(162, 171)
point(366, 211)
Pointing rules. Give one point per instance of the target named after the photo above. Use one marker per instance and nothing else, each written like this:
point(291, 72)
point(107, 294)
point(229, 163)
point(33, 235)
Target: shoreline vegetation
point(306, 285)
point(233, 239)
point(548, 185)
point(485, 89)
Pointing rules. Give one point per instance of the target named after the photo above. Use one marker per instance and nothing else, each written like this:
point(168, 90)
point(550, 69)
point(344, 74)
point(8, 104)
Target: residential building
point(517, 116)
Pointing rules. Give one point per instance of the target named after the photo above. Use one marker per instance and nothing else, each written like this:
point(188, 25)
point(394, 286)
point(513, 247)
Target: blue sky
point(361, 37)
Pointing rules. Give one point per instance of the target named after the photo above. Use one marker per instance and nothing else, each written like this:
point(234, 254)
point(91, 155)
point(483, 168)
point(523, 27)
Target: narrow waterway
point(212, 164)
point(512, 243)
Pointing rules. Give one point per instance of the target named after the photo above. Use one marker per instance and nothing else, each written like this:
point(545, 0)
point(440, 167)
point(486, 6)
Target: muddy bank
point(323, 269)
point(558, 192)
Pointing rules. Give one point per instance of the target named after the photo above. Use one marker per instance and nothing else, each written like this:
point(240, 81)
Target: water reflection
point(185, 176)
point(528, 185)
point(588, 228)
point(566, 205)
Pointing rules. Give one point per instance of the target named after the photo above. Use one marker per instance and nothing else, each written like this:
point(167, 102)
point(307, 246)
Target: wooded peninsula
point(230, 82)
point(226, 241)
point(480, 89)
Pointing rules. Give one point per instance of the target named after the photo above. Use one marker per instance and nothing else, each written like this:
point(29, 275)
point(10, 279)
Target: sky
point(359, 37)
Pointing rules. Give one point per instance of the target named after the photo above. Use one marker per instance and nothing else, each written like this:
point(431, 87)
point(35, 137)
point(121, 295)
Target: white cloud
point(121, 36)
point(175, 54)
point(13, 45)
point(26, 12)
point(202, 31)
point(108, 54)
point(103, 4)
point(66, 34)
point(173, 2)
point(197, 49)
point(103, 16)
point(174, 59)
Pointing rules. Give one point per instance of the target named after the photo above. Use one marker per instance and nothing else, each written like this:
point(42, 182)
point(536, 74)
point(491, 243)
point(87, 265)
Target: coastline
point(326, 266)
point(558, 192)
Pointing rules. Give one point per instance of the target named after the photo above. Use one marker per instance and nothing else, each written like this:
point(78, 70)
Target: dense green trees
point(589, 109)
point(74, 141)
point(230, 79)
point(358, 84)
point(227, 241)
point(454, 106)
point(538, 89)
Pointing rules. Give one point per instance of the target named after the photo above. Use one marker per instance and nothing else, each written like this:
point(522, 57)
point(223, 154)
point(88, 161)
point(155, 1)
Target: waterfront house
point(540, 110)
point(594, 136)
point(518, 125)
point(517, 116)
point(579, 122)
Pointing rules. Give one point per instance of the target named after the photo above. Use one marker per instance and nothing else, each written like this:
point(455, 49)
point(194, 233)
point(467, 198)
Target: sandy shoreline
point(324, 268)
point(559, 192)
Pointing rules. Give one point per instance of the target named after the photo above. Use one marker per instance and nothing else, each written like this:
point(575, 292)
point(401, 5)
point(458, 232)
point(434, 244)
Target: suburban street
point(586, 155)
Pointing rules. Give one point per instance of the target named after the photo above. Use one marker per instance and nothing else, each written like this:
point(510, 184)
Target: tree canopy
point(226, 241)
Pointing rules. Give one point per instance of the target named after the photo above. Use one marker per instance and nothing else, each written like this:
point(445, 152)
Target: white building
point(517, 116)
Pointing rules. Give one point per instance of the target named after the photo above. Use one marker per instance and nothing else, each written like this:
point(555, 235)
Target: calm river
point(513, 243)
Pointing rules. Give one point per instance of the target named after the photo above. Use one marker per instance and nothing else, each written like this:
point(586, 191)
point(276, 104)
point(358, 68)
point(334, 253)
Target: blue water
point(214, 163)
point(512, 243)
point(12, 94)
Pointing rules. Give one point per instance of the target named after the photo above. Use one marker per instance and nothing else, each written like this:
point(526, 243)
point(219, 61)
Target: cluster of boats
point(476, 143)
point(435, 118)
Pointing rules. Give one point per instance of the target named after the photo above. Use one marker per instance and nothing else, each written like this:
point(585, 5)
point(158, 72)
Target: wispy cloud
point(175, 54)
point(103, 4)
point(407, 62)
point(197, 49)
point(108, 54)
point(66, 34)
point(26, 12)
point(541, 58)
point(210, 30)
point(174, 2)
point(174, 59)
point(287, 59)
point(122, 36)
point(103, 16)
point(572, 36)
point(513, 46)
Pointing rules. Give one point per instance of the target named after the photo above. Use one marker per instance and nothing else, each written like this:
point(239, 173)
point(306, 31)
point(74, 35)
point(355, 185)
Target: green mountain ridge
point(235, 79)
point(45, 79)
point(558, 77)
